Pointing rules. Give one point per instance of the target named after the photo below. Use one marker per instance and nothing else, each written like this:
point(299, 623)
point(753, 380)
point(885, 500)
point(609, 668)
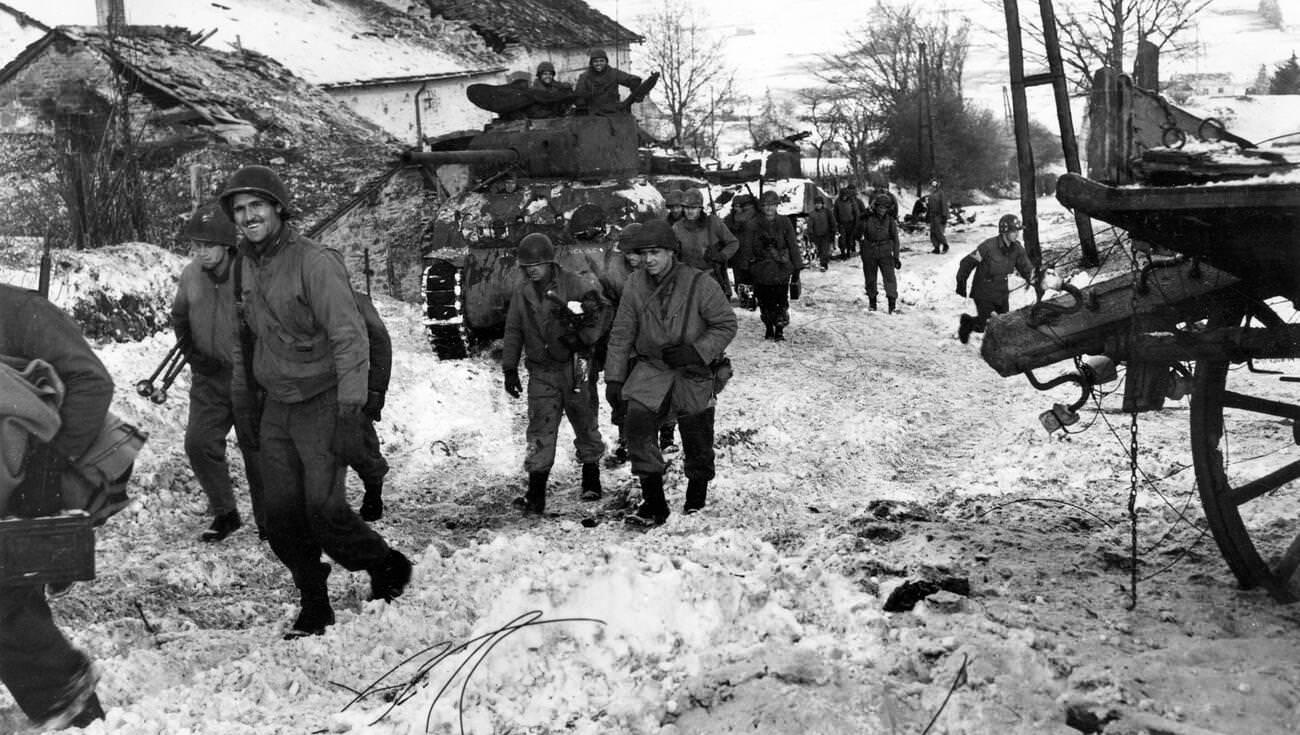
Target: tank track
point(443, 315)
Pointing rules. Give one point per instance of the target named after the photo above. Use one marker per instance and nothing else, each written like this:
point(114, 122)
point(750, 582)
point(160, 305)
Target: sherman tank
point(576, 178)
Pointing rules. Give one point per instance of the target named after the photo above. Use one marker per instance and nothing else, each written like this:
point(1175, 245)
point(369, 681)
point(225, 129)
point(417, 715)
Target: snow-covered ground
point(868, 452)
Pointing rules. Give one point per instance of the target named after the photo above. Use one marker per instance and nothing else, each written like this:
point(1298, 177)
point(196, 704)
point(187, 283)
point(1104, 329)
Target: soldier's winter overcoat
point(659, 313)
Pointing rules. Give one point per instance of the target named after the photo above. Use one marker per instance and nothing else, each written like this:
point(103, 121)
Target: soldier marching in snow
point(556, 341)
point(52, 682)
point(672, 323)
point(203, 317)
point(936, 213)
point(880, 251)
point(821, 230)
point(848, 213)
point(310, 359)
point(992, 261)
point(707, 244)
point(770, 253)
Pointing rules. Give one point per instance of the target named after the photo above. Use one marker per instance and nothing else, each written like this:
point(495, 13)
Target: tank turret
point(574, 178)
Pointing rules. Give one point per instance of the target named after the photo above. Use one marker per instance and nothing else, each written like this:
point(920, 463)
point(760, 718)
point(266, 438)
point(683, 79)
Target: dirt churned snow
point(869, 457)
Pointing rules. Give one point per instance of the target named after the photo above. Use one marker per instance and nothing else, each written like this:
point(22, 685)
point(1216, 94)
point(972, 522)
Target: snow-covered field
point(868, 453)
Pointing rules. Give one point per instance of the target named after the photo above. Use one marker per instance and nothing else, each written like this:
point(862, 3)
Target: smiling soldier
point(311, 357)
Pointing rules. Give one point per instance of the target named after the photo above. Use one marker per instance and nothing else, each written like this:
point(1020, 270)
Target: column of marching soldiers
point(285, 352)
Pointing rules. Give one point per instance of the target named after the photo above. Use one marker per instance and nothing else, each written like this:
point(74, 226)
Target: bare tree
point(820, 114)
point(1106, 32)
point(694, 84)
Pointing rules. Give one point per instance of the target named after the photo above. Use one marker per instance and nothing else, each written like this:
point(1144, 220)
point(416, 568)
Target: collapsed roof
point(535, 23)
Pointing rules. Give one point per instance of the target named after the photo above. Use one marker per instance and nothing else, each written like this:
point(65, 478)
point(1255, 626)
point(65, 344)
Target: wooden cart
point(1218, 305)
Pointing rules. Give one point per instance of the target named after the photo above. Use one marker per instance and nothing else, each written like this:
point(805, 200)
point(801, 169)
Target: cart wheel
point(1247, 459)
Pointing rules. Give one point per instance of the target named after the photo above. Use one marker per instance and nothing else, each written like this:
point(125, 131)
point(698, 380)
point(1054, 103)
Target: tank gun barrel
point(481, 155)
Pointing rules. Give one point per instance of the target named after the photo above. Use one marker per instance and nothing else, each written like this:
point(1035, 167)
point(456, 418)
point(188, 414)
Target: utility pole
point(924, 134)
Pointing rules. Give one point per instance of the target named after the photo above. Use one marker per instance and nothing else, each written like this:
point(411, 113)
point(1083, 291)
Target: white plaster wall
point(443, 107)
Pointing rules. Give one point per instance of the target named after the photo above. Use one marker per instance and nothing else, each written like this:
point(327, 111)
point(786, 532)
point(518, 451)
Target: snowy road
point(867, 452)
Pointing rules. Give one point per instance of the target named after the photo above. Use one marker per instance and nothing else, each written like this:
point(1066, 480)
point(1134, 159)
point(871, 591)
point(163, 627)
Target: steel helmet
point(545, 66)
point(259, 181)
point(692, 198)
point(210, 225)
point(1009, 223)
point(882, 199)
point(535, 249)
point(769, 197)
point(597, 53)
point(628, 234)
point(673, 198)
point(742, 200)
point(656, 233)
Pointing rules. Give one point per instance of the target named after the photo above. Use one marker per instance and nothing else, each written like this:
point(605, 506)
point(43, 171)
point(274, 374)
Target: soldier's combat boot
point(696, 493)
point(871, 302)
point(315, 613)
point(767, 331)
point(778, 335)
point(590, 482)
point(893, 305)
point(389, 578)
point(964, 329)
point(653, 510)
point(534, 500)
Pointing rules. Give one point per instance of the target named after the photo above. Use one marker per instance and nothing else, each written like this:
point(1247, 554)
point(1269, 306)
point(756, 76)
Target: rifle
point(578, 362)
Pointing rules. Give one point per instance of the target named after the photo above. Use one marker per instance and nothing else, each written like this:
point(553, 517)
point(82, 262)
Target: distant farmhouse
point(405, 71)
point(1180, 87)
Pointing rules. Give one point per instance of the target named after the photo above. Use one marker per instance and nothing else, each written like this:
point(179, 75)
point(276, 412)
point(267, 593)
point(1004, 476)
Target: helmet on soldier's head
point(769, 197)
point(1009, 223)
point(656, 233)
point(209, 225)
point(597, 53)
point(673, 198)
point(535, 249)
point(259, 181)
point(692, 198)
point(882, 200)
point(628, 234)
point(544, 67)
point(742, 200)
point(819, 199)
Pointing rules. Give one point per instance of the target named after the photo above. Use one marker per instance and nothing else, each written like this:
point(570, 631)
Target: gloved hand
point(898, 263)
point(680, 356)
point(613, 393)
point(348, 442)
point(203, 364)
point(961, 289)
point(374, 405)
point(513, 386)
point(796, 288)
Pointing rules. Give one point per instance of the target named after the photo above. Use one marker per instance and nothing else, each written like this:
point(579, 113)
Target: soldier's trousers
point(642, 424)
point(39, 667)
point(372, 468)
point(985, 308)
point(211, 417)
point(554, 394)
point(939, 237)
point(773, 304)
point(307, 511)
point(879, 260)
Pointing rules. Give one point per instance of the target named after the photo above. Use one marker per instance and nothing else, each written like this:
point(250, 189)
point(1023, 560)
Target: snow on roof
point(326, 42)
point(537, 23)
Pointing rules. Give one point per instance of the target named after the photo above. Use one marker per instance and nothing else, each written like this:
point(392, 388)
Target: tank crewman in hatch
point(546, 86)
point(203, 317)
point(542, 327)
point(672, 323)
point(992, 261)
point(311, 360)
point(597, 87)
point(52, 682)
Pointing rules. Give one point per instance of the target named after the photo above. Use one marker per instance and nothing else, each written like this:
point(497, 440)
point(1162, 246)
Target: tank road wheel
point(443, 316)
point(1246, 452)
